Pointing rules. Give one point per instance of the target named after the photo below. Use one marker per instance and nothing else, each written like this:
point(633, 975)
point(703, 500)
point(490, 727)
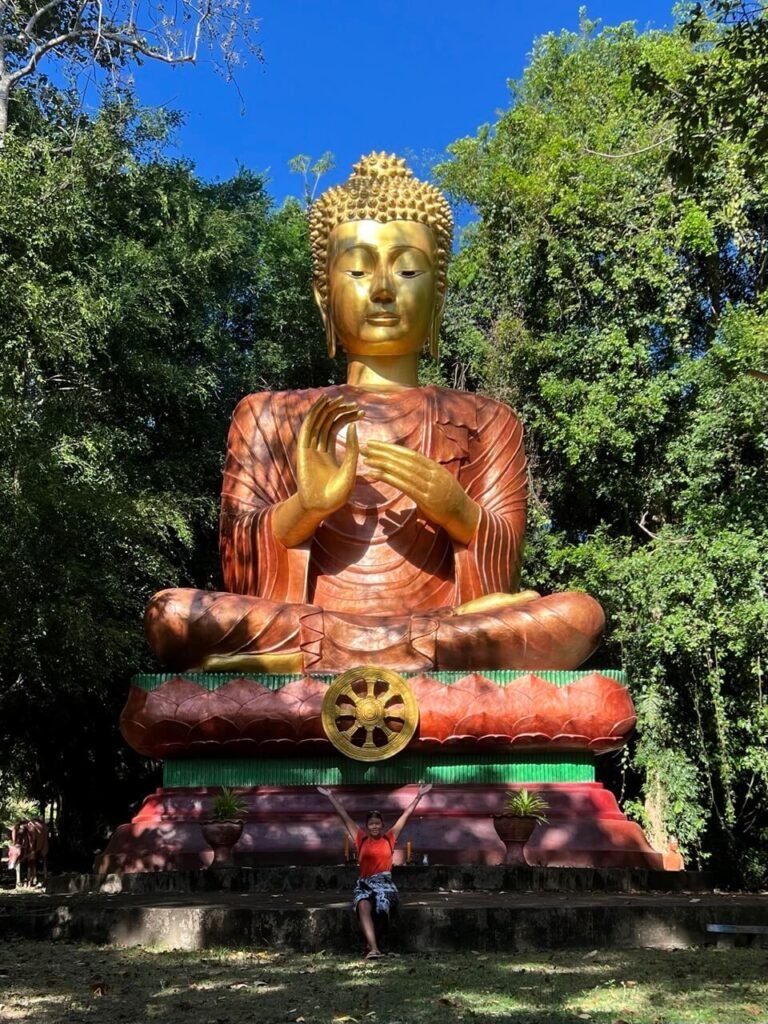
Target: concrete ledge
point(311, 921)
point(341, 878)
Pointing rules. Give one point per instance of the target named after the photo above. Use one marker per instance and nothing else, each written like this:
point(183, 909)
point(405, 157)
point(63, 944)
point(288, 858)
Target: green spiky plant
point(228, 806)
point(524, 803)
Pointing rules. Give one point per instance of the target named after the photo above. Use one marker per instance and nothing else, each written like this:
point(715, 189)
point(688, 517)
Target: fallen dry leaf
point(98, 988)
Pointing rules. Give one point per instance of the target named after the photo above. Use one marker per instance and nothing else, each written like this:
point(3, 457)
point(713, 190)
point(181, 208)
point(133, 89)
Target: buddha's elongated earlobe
point(330, 337)
point(434, 331)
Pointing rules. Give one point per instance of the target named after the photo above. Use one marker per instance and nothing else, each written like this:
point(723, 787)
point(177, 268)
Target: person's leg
point(365, 916)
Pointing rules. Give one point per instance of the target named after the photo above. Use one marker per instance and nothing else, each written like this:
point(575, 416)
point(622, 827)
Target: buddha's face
point(381, 286)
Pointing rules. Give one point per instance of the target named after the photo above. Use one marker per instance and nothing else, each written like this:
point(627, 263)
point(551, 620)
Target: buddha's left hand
point(438, 495)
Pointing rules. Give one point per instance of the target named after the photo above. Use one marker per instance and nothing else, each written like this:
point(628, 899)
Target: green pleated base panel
point(478, 769)
point(213, 680)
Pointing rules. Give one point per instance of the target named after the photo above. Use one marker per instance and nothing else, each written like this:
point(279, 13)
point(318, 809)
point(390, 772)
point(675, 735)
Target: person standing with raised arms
point(375, 892)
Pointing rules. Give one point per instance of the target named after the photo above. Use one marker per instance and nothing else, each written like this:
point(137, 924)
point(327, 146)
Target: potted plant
point(225, 826)
point(523, 811)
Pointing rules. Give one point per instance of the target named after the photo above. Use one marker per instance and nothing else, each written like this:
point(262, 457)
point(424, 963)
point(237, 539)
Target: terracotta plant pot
point(222, 836)
point(514, 832)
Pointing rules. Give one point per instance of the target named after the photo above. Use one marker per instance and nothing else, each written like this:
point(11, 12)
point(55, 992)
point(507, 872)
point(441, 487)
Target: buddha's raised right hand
point(323, 485)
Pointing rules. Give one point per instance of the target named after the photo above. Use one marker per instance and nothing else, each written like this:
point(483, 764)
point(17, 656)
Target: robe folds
point(377, 583)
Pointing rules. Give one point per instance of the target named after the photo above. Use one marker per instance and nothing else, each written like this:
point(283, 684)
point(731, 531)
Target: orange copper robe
point(377, 558)
point(377, 553)
point(377, 583)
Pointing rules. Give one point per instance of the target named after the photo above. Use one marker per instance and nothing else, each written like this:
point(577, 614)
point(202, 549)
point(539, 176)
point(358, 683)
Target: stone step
point(433, 878)
point(313, 921)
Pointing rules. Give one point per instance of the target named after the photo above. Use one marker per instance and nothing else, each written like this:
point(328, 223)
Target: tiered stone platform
point(479, 736)
point(442, 908)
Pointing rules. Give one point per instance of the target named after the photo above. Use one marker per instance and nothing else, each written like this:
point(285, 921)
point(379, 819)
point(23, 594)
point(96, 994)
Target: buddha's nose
point(381, 287)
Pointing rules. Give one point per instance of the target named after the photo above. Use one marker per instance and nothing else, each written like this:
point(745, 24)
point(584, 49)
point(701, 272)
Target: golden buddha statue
point(374, 522)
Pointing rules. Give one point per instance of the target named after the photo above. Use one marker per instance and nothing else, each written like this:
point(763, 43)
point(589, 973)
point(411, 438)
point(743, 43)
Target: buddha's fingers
point(409, 483)
point(322, 424)
point(307, 432)
point(386, 462)
point(349, 462)
point(332, 425)
point(395, 454)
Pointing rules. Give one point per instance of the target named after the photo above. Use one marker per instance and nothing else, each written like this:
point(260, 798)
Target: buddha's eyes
point(357, 274)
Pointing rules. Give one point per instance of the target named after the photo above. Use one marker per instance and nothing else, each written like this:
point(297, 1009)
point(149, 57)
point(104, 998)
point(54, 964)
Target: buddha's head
point(380, 249)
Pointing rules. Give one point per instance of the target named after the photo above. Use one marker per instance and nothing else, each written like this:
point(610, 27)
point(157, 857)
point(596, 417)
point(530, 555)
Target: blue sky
point(352, 76)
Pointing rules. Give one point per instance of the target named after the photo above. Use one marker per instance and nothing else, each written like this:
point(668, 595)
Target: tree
point(112, 34)
point(137, 305)
point(620, 305)
point(311, 173)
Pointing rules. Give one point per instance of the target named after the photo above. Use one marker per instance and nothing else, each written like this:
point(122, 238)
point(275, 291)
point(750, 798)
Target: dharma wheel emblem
point(370, 713)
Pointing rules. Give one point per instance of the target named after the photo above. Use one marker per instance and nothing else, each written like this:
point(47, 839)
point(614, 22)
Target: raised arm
point(401, 822)
point(350, 825)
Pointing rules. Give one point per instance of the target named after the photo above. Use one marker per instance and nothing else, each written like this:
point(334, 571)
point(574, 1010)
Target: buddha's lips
point(383, 318)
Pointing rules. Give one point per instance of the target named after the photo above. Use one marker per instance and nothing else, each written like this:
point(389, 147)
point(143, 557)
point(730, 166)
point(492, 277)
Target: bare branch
point(111, 34)
point(644, 528)
point(630, 152)
point(29, 28)
point(40, 52)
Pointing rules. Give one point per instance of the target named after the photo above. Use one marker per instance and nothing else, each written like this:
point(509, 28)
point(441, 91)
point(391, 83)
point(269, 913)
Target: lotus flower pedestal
point(479, 736)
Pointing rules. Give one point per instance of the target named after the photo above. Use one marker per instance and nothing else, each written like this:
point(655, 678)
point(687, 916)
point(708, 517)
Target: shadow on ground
point(48, 983)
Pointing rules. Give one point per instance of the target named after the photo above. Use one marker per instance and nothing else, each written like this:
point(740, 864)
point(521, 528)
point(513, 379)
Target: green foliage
point(524, 803)
point(137, 305)
point(311, 173)
point(620, 304)
point(16, 806)
point(228, 806)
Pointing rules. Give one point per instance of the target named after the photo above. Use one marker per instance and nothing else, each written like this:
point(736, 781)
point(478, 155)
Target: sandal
point(374, 956)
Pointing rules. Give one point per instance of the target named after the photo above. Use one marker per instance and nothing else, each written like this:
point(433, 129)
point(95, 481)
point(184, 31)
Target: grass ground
point(62, 983)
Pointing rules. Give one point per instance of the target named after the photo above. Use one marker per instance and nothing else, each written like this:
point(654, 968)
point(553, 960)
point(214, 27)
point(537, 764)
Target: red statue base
point(453, 825)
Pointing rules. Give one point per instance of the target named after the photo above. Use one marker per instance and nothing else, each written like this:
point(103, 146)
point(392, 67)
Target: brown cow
point(29, 844)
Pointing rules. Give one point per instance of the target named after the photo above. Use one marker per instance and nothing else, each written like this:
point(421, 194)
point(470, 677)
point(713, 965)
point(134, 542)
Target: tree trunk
point(5, 91)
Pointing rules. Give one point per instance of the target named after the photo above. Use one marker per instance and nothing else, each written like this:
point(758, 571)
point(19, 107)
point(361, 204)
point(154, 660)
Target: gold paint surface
point(370, 713)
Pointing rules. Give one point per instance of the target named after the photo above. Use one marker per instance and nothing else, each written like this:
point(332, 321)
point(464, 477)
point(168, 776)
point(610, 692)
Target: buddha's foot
point(492, 602)
point(559, 631)
point(273, 664)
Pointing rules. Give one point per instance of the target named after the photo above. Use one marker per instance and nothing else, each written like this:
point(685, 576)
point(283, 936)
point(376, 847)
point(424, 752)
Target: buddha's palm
point(323, 484)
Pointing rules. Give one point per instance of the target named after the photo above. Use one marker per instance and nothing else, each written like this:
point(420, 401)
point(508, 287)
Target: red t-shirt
point(374, 855)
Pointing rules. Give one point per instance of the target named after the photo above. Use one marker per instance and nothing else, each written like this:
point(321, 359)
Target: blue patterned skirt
point(379, 889)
